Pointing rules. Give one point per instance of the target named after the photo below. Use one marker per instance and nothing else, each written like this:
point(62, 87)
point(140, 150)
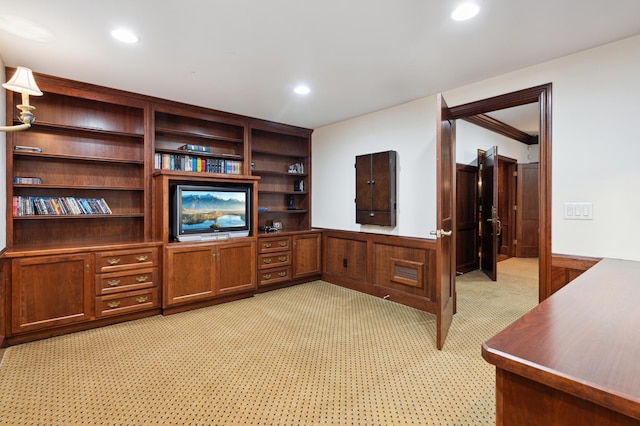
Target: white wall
point(407, 129)
point(595, 150)
point(470, 138)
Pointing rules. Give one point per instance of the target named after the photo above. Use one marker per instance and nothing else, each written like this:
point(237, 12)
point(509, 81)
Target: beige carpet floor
point(313, 354)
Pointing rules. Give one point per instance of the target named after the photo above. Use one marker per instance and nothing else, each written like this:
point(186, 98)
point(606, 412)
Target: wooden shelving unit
point(222, 139)
point(83, 145)
point(281, 156)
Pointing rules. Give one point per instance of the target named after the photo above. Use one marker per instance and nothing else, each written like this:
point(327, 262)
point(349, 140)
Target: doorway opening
point(540, 96)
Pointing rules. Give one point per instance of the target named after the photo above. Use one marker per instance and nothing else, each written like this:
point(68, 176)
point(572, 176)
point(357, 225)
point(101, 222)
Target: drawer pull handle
point(267, 245)
point(282, 258)
point(113, 304)
point(267, 260)
point(113, 283)
point(282, 274)
point(142, 258)
point(282, 243)
point(267, 276)
point(142, 278)
point(142, 299)
point(113, 261)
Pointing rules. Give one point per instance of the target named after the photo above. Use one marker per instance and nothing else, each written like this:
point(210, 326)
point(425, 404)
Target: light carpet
point(312, 354)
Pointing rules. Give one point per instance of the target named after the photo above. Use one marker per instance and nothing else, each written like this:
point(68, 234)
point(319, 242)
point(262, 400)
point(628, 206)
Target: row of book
point(192, 163)
point(28, 206)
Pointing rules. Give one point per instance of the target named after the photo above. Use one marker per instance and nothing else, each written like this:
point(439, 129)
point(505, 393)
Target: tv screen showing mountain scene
point(212, 210)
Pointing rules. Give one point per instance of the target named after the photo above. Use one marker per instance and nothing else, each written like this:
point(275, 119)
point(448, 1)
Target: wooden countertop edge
point(625, 404)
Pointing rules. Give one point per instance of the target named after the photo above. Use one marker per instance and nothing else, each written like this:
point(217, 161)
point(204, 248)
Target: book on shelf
point(195, 148)
point(194, 163)
point(57, 206)
point(27, 180)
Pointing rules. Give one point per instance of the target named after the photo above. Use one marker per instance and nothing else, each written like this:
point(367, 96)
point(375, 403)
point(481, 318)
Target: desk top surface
point(583, 340)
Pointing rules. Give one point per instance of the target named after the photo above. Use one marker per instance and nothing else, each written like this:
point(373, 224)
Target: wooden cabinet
point(376, 189)
point(126, 281)
point(281, 156)
point(87, 144)
point(50, 291)
point(307, 254)
point(289, 257)
point(63, 291)
point(274, 260)
point(236, 266)
point(195, 140)
point(200, 272)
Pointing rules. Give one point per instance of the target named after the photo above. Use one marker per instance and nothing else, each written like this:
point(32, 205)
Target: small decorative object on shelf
point(27, 180)
point(298, 185)
point(27, 148)
point(277, 224)
point(296, 168)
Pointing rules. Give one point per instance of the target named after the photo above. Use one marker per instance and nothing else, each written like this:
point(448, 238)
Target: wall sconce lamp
point(22, 82)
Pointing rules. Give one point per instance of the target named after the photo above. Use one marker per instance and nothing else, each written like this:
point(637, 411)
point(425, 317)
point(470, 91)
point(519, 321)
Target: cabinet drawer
point(116, 282)
point(274, 260)
point(123, 303)
point(272, 276)
point(109, 261)
point(268, 245)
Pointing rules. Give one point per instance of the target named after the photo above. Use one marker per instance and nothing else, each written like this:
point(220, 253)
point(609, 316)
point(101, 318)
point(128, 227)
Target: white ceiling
point(358, 56)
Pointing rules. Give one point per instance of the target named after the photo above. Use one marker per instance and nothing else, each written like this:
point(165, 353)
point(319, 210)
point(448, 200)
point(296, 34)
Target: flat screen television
point(201, 213)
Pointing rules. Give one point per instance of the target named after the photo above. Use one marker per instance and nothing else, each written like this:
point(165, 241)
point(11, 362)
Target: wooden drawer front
point(117, 282)
point(272, 276)
point(122, 303)
point(274, 260)
point(108, 261)
point(269, 245)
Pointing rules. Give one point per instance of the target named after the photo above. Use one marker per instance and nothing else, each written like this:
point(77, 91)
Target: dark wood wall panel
point(565, 269)
point(401, 269)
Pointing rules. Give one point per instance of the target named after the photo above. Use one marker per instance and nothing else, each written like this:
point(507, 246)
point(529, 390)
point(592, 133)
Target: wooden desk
point(575, 358)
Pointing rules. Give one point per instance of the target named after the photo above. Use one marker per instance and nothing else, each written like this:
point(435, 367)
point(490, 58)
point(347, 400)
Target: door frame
point(542, 95)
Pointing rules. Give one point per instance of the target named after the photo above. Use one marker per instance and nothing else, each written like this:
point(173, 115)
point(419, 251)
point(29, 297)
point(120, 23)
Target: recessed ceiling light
point(465, 11)
point(125, 35)
point(302, 89)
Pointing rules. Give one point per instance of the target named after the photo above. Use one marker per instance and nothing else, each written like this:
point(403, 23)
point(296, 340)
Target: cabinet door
point(306, 255)
point(237, 267)
point(49, 291)
point(189, 271)
point(376, 188)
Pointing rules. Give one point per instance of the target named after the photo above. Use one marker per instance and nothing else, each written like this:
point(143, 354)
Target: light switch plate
point(578, 211)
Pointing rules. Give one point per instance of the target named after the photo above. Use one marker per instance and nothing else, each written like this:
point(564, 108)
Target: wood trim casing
point(542, 95)
point(504, 129)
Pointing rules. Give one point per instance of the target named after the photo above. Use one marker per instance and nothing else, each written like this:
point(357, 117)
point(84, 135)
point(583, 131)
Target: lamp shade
point(23, 81)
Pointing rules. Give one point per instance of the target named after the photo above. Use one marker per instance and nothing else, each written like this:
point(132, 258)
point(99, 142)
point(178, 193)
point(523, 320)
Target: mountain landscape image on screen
point(212, 210)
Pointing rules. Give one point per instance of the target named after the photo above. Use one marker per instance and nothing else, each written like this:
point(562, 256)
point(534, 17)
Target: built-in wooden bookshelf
point(190, 140)
point(88, 243)
point(83, 145)
point(281, 156)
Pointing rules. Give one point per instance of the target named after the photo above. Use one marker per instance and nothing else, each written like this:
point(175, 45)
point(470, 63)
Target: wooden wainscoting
point(566, 268)
point(401, 269)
